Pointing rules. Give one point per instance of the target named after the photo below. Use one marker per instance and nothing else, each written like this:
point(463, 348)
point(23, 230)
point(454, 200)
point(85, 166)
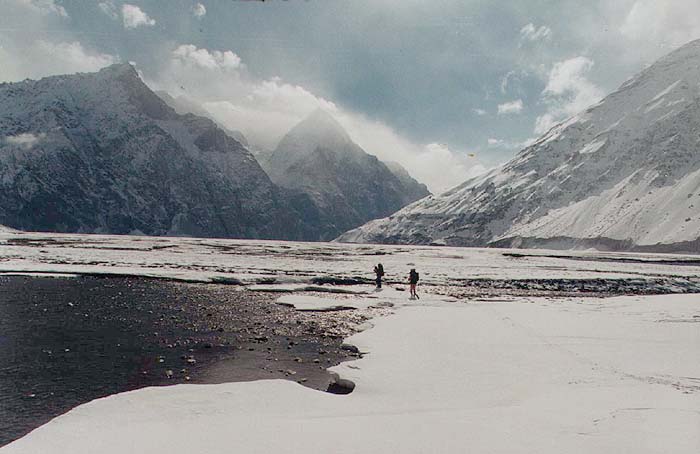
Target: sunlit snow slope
point(624, 174)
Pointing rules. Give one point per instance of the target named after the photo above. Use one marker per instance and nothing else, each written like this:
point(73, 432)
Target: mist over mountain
point(184, 105)
point(624, 175)
point(318, 158)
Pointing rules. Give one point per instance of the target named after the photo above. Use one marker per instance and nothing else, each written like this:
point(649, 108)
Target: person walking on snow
point(379, 271)
point(413, 280)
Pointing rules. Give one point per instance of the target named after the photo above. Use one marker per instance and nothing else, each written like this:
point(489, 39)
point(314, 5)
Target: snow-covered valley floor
point(521, 374)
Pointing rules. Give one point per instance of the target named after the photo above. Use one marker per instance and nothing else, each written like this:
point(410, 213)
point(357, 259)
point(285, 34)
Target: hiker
point(413, 280)
point(379, 271)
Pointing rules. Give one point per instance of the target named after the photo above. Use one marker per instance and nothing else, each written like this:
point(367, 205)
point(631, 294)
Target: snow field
point(536, 375)
point(257, 262)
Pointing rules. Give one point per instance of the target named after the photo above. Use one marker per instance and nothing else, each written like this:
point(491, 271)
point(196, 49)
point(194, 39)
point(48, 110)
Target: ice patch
point(654, 106)
point(666, 91)
point(319, 304)
point(676, 102)
point(372, 298)
point(25, 140)
point(594, 146)
point(665, 116)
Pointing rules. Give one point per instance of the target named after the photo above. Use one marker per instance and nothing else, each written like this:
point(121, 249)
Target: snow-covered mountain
point(100, 152)
point(318, 158)
point(624, 174)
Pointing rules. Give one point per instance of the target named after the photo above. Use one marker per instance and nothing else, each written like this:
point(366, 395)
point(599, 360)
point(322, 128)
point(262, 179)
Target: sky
point(448, 88)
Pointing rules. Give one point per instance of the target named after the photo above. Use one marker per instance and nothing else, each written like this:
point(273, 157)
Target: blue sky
point(447, 88)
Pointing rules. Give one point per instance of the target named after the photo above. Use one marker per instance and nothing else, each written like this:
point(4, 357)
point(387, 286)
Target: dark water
point(64, 342)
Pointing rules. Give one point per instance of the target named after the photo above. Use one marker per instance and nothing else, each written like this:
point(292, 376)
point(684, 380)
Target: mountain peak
point(322, 116)
point(138, 92)
point(320, 123)
point(318, 130)
point(120, 70)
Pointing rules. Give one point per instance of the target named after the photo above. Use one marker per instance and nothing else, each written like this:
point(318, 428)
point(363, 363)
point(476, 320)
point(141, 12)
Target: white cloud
point(44, 58)
point(444, 168)
point(545, 122)
point(189, 54)
point(44, 7)
point(134, 17)
point(434, 164)
point(25, 140)
point(569, 76)
point(109, 8)
point(512, 107)
point(506, 80)
point(33, 55)
point(568, 92)
point(532, 33)
point(263, 109)
point(70, 57)
point(199, 10)
point(479, 112)
point(513, 80)
point(666, 23)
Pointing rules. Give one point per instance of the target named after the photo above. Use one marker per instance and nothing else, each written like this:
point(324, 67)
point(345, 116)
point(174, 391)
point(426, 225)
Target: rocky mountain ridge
point(100, 152)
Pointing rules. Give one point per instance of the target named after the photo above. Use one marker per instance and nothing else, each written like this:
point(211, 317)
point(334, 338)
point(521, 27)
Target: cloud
point(569, 76)
point(26, 51)
point(658, 22)
point(444, 168)
point(189, 54)
point(109, 8)
point(506, 80)
point(70, 57)
point(532, 33)
point(568, 92)
point(513, 81)
point(199, 10)
point(133, 17)
point(44, 7)
point(479, 112)
point(264, 109)
point(44, 58)
point(434, 164)
point(25, 140)
point(512, 107)
point(545, 122)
